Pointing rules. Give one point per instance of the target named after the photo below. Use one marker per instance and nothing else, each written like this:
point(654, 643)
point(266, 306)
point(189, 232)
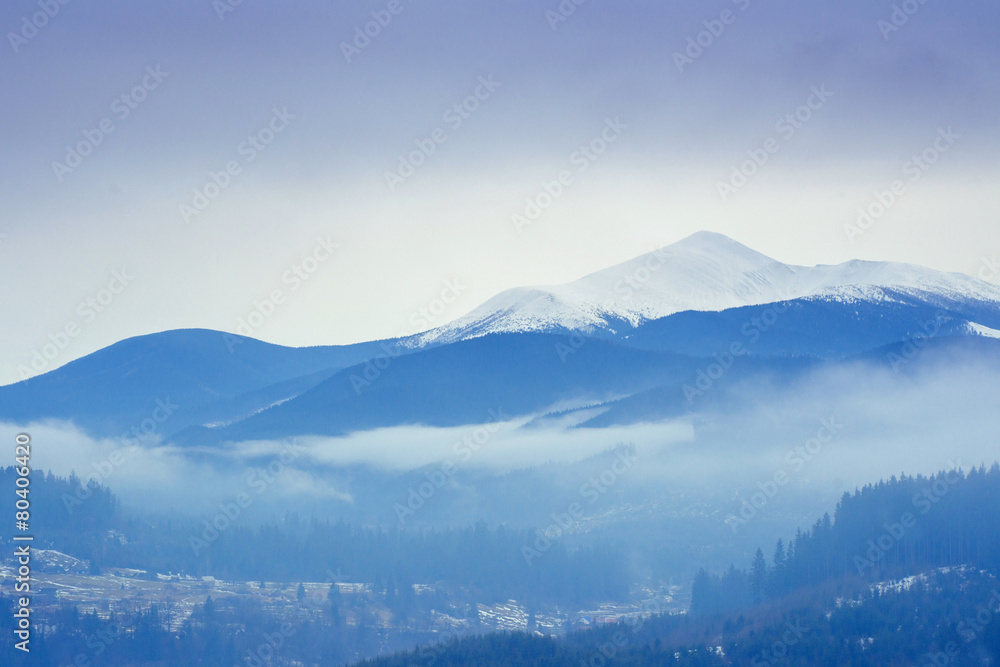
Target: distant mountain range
point(209, 376)
point(707, 272)
point(628, 342)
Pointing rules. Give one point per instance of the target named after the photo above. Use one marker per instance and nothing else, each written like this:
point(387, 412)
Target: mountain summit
point(703, 272)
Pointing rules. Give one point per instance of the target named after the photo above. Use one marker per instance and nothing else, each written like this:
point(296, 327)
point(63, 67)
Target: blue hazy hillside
point(462, 383)
point(632, 338)
point(824, 328)
point(118, 386)
point(247, 389)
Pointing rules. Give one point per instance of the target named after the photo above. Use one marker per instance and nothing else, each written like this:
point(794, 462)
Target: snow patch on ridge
point(703, 272)
point(980, 330)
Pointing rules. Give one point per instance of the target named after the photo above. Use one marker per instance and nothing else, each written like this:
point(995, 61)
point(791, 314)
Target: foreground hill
point(906, 573)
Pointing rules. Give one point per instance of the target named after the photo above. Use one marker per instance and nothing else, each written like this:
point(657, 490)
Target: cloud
point(840, 427)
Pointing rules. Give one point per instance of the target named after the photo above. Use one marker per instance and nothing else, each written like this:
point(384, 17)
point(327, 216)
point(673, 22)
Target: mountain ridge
point(553, 348)
point(702, 272)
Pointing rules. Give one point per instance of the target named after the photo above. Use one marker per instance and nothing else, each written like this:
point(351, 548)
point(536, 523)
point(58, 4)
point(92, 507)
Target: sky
point(182, 164)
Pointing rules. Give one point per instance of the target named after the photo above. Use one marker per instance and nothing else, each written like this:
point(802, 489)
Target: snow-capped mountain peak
point(705, 271)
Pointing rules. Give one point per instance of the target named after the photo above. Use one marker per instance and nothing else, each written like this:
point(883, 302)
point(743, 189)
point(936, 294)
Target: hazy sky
point(92, 182)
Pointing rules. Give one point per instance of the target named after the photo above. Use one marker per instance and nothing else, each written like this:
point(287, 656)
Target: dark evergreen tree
point(758, 576)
